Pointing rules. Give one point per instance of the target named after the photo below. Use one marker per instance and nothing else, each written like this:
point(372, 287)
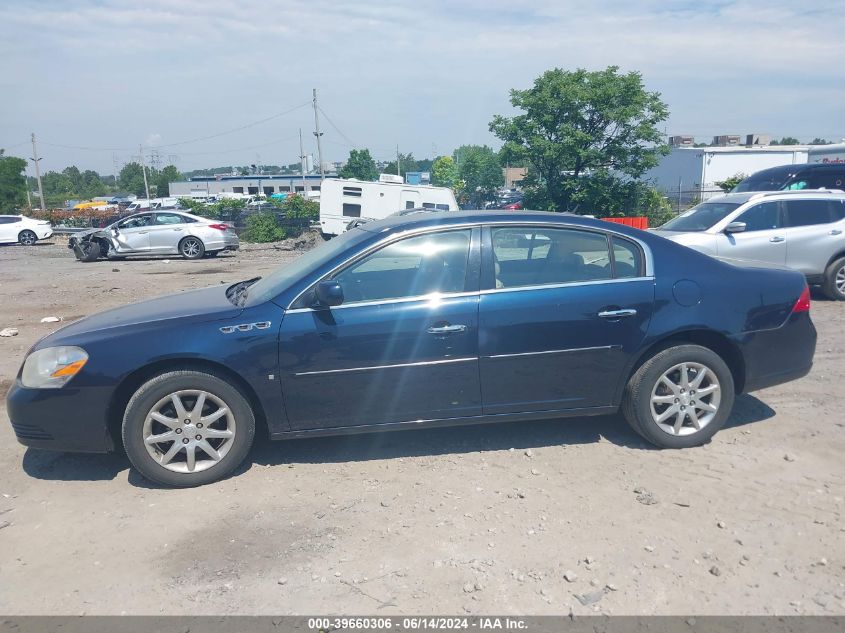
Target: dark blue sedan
point(423, 320)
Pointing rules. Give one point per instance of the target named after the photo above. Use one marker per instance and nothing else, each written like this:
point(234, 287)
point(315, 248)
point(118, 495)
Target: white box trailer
point(344, 200)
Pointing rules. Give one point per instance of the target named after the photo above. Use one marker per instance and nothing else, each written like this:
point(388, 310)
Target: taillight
point(803, 303)
point(219, 227)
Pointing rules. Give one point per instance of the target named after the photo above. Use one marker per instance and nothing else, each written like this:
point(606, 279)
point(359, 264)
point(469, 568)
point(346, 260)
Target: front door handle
point(617, 314)
point(777, 239)
point(836, 232)
point(447, 329)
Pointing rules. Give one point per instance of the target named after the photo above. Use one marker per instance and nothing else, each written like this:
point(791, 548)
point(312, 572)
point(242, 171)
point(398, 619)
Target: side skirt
point(429, 424)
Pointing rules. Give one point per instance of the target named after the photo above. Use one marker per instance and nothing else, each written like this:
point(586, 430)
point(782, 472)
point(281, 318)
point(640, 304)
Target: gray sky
point(428, 76)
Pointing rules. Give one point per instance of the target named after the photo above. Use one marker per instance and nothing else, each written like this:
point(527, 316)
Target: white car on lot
point(155, 233)
point(804, 230)
point(21, 229)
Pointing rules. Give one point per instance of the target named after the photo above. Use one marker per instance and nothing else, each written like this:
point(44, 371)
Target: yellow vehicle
point(94, 204)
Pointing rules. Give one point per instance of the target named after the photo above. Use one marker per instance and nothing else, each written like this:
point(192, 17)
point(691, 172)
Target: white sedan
point(19, 228)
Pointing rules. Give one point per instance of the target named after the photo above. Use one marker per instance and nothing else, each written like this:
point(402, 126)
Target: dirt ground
point(532, 518)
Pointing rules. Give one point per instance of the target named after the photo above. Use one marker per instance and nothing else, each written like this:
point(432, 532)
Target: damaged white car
point(155, 233)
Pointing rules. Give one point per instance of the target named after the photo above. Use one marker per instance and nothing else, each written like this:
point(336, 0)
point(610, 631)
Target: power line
point(240, 149)
point(185, 142)
point(336, 129)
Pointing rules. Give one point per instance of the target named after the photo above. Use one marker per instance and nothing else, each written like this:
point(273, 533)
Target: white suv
point(804, 230)
point(19, 228)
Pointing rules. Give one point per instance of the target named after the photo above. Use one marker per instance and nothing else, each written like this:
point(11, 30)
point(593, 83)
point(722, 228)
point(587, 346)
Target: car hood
point(202, 305)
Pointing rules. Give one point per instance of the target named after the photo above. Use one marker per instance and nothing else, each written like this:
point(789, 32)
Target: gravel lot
point(545, 517)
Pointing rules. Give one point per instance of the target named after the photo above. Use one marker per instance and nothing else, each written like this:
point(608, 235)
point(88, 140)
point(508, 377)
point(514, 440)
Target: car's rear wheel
point(834, 280)
point(191, 248)
point(680, 397)
point(88, 251)
point(27, 238)
point(187, 428)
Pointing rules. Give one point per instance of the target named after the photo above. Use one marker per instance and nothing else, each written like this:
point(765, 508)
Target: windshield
point(273, 284)
point(700, 217)
point(761, 183)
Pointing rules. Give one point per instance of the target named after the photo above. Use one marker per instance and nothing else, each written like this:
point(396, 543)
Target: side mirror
point(329, 293)
point(735, 227)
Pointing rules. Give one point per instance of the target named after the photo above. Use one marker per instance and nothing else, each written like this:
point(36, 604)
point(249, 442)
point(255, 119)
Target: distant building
point(267, 184)
point(513, 176)
point(691, 173)
point(418, 177)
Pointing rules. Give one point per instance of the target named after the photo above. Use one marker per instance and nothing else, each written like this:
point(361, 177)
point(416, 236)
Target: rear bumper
point(773, 357)
point(44, 232)
point(60, 419)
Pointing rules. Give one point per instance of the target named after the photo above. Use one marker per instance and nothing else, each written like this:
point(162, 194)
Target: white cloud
point(402, 72)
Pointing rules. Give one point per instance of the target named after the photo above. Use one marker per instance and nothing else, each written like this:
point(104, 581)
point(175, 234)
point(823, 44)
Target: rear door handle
point(836, 232)
point(777, 239)
point(447, 329)
point(617, 314)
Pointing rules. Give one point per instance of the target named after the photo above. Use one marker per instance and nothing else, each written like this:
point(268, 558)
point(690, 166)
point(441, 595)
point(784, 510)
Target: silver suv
point(804, 230)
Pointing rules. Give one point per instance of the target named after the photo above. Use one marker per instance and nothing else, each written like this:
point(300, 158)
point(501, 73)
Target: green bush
point(263, 227)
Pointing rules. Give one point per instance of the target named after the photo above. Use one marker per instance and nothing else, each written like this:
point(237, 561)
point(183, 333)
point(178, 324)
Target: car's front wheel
point(191, 248)
point(27, 237)
point(834, 280)
point(679, 397)
point(88, 251)
point(187, 428)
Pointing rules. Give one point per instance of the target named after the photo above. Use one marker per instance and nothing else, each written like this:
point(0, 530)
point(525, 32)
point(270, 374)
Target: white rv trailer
point(344, 200)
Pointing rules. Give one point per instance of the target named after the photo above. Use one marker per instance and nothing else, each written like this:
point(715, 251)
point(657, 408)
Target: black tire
point(88, 251)
point(27, 238)
point(157, 390)
point(637, 400)
point(191, 247)
point(834, 280)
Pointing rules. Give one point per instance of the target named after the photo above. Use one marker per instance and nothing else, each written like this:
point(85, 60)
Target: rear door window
point(807, 212)
point(533, 256)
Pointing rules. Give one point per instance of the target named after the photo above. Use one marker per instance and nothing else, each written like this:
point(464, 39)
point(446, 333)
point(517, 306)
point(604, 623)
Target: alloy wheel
point(189, 431)
point(685, 398)
point(840, 280)
point(190, 248)
point(27, 238)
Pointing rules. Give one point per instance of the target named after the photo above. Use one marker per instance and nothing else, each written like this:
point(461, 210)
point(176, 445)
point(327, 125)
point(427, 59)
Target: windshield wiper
point(236, 293)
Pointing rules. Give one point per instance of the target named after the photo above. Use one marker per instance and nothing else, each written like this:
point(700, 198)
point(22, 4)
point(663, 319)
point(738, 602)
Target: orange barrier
point(639, 222)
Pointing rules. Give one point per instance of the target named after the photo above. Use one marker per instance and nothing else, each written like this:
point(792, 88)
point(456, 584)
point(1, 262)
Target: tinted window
point(807, 212)
point(627, 258)
point(837, 208)
point(538, 256)
point(408, 268)
point(827, 180)
point(409, 204)
point(701, 217)
point(9, 219)
point(169, 218)
point(765, 183)
point(352, 210)
point(761, 217)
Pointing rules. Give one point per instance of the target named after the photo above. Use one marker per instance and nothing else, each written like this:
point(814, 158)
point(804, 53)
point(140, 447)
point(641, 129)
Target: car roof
point(745, 196)
point(784, 170)
point(395, 223)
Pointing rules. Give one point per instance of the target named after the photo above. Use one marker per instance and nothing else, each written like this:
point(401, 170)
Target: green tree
point(579, 128)
point(820, 141)
point(407, 163)
point(12, 183)
point(263, 227)
point(131, 179)
point(728, 184)
point(164, 178)
point(786, 140)
point(359, 165)
point(444, 172)
point(481, 173)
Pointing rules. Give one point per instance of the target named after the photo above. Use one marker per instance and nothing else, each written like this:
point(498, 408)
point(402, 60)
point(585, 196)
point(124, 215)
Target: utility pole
point(398, 171)
point(144, 169)
point(28, 196)
point(35, 159)
point(301, 161)
point(318, 134)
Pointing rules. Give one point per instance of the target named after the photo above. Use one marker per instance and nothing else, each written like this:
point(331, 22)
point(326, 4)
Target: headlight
point(52, 367)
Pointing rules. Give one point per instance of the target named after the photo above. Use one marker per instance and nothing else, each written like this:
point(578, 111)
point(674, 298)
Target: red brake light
point(803, 303)
point(219, 227)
